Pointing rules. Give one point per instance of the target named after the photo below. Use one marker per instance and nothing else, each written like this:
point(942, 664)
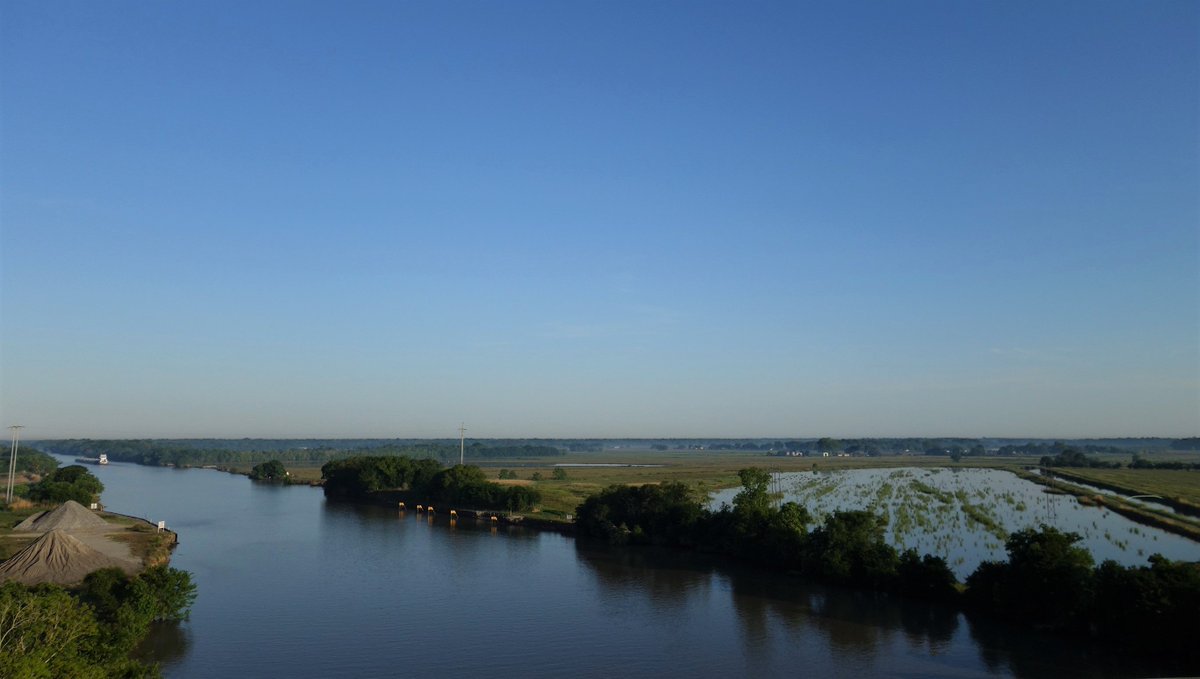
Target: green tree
point(664, 514)
point(1048, 580)
point(1155, 607)
point(124, 610)
point(35, 462)
point(751, 511)
point(754, 498)
point(172, 592)
point(849, 548)
point(45, 632)
point(927, 577)
point(73, 482)
point(559, 474)
point(272, 470)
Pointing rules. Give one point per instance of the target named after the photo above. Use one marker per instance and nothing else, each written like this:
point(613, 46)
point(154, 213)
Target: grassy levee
point(1185, 526)
point(1178, 488)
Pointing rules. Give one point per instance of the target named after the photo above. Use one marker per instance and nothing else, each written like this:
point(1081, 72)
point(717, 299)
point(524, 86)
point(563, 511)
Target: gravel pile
point(70, 515)
point(57, 557)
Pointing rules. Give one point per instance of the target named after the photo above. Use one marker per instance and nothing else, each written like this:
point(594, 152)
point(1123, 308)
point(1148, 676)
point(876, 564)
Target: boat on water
point(103, 459)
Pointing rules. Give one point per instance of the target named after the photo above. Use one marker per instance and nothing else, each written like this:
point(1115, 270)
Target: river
point(292, 585)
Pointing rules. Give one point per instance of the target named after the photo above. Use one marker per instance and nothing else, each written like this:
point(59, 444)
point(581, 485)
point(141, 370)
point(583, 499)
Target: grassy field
point(704, 470)
point(712, 470)
point(9, 518)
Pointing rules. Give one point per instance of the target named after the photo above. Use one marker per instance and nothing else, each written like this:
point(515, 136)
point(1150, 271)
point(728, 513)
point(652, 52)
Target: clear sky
point(600, 218)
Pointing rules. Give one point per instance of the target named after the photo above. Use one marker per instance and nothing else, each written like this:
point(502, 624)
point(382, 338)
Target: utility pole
point(462, 442)
point(12, 461)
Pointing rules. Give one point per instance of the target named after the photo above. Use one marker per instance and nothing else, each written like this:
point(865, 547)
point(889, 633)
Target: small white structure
point(162, 525)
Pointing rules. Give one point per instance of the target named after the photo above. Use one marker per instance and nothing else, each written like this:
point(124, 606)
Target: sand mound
point(59, 558)
point(70, 515)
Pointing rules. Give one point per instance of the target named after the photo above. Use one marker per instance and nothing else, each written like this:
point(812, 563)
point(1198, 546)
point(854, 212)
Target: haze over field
point(600, 219)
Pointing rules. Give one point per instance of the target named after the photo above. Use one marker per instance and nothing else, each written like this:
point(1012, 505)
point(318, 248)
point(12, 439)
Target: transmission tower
point(12, 461)
point(462, 442)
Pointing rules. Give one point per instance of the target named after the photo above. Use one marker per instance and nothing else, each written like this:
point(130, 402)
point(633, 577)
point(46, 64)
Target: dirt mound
point(70, 515)
point(59, 558)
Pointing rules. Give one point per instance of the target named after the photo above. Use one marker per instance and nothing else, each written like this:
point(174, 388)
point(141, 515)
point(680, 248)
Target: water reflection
point(1004, 648)
point(166, 643)
point(666, 579)
point(776, 615)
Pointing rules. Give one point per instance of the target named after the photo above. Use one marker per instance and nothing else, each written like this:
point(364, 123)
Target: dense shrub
point(423, 480)
point(68, 483)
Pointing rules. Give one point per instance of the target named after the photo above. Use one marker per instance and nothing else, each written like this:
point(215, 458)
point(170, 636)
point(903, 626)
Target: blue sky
point(600, 219)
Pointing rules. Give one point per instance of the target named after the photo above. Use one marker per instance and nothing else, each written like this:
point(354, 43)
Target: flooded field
point(965, 515)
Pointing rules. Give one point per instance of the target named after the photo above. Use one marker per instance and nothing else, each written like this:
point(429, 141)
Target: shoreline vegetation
point(92, 625)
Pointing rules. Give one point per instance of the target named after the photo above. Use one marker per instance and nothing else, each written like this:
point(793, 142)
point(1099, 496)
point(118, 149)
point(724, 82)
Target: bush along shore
point(1048, 582)
point(89, 631)
point(392, 479)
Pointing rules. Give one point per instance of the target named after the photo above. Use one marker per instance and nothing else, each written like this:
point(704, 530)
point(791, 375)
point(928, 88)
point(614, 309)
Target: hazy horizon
point(781, 437)
point(590, 220)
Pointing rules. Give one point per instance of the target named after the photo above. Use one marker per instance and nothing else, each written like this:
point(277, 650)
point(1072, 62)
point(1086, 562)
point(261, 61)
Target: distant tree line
point(1066, 456)
point(478, 450)
point(1191, 443)
point(1048, 581)
point(35, 461)
point(423, 480)
point(1140, 462)
point(1058, 447)
point(185, 453)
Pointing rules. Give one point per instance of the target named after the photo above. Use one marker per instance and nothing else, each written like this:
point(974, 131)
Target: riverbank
point(404, 503)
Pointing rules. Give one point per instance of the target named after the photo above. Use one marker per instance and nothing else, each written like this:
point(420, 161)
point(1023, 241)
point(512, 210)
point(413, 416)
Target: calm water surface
point(291, 585)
